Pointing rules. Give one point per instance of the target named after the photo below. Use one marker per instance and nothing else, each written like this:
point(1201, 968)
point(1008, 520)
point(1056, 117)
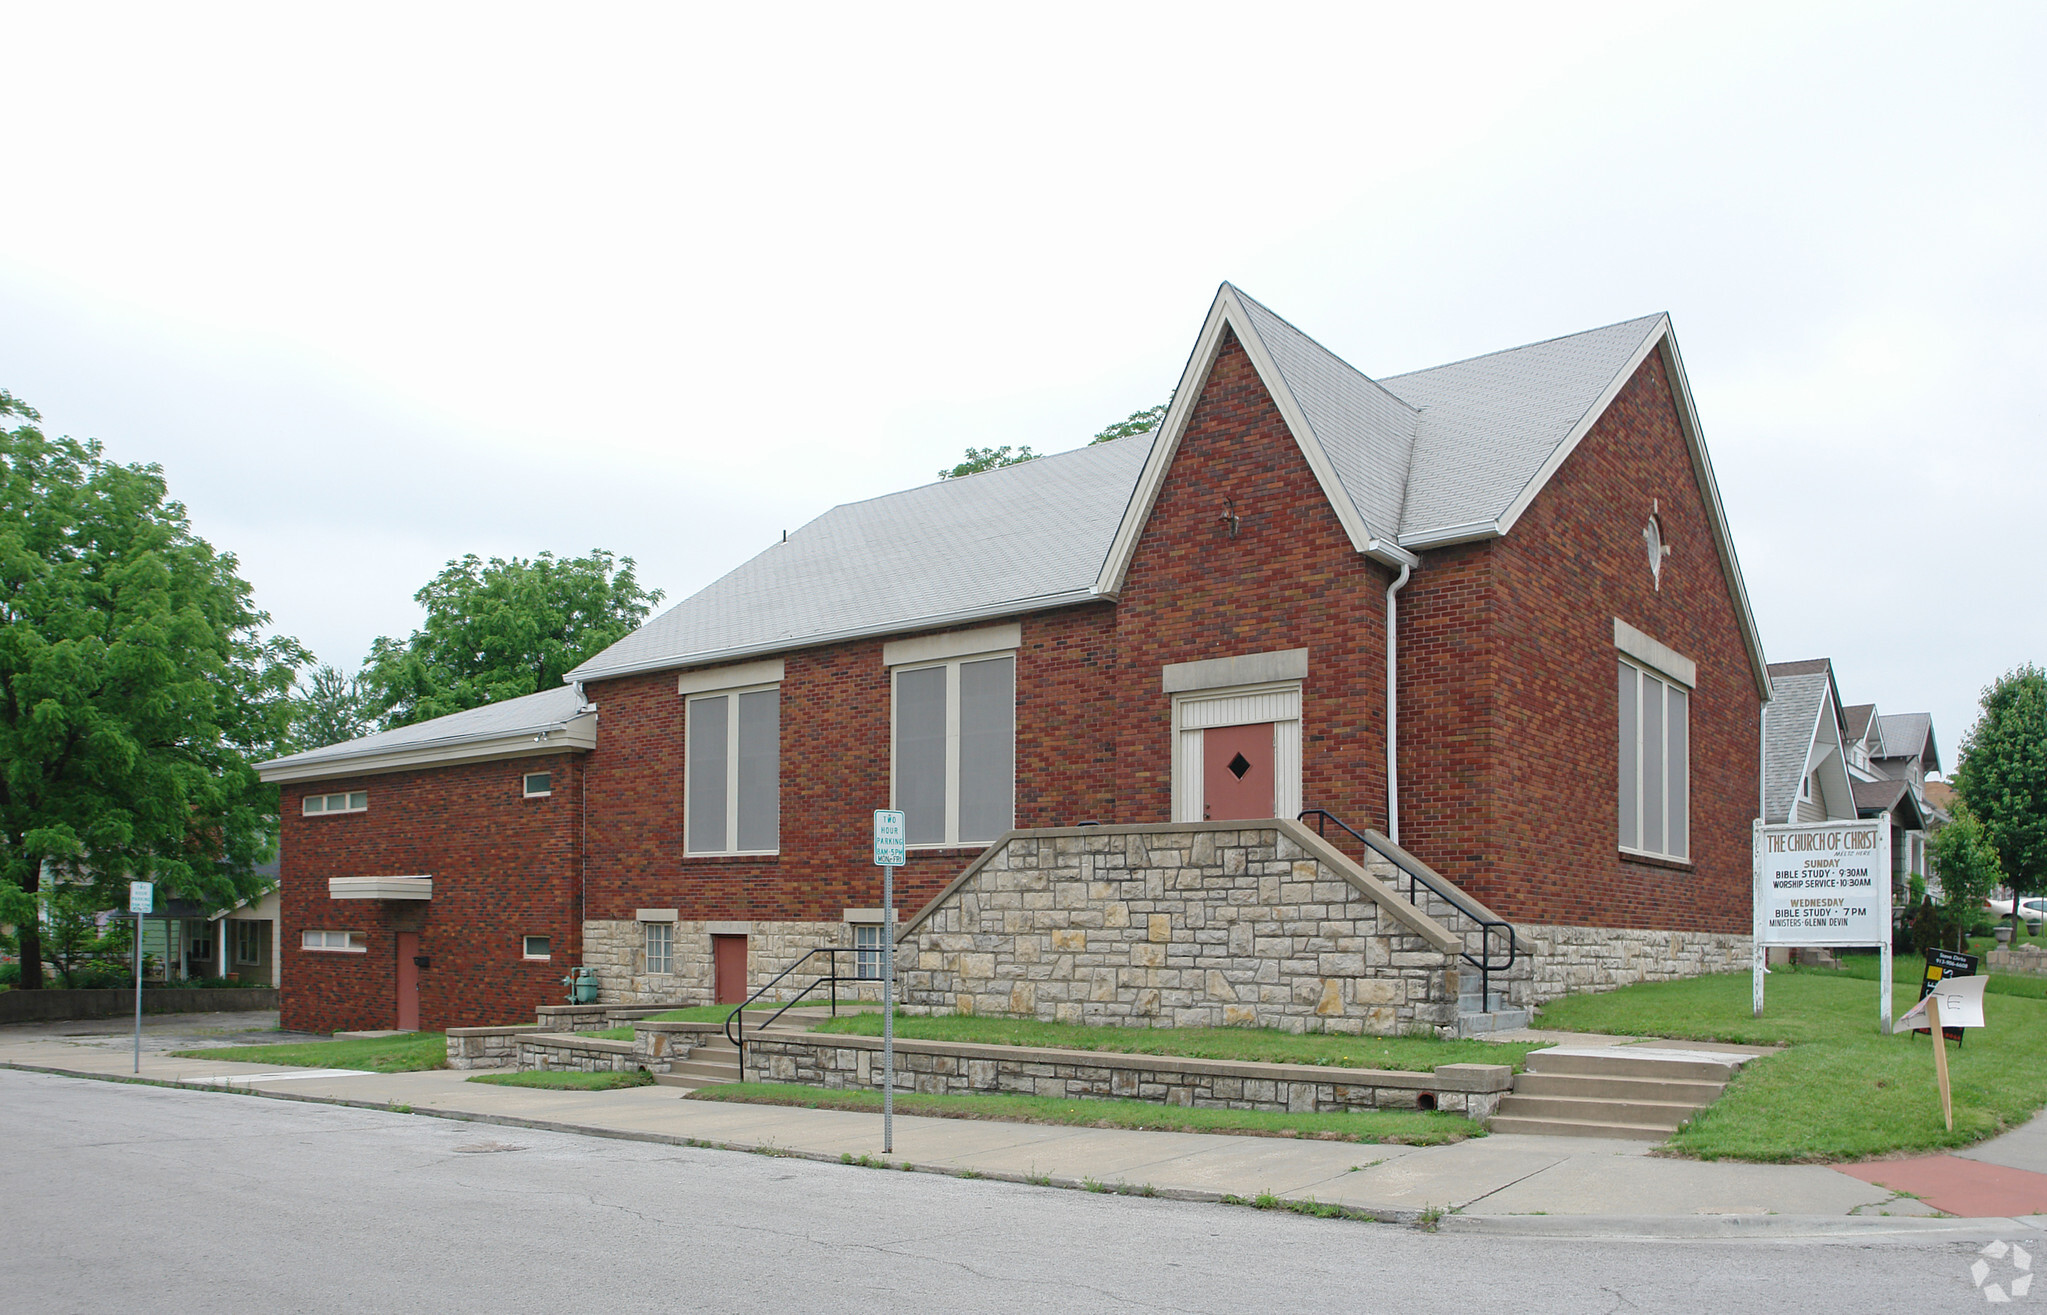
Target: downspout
point(1393, 704)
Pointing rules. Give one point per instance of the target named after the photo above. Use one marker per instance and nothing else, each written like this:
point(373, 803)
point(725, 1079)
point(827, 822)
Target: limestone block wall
point(2018, 959)
point(618, 951)
point(1187, 925)
point(1567, 959)
point(485, 1047)
point(945, 1068)
point(567, 1052)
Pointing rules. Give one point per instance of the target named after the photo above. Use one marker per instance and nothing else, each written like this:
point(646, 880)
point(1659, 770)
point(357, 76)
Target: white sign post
point(1824, 883)
point(141, 900)
point(891, 831)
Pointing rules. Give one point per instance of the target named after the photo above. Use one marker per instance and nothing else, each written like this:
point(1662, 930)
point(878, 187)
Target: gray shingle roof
point(1488, 424)
point(1857, 716)
point(534, 712)
point(1417, 454)
point(1003, 541)
point(1907, 733)
point(1790, 719)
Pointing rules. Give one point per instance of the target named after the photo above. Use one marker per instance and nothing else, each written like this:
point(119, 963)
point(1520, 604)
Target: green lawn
point(395, 1054)
point(612, 1033)
point(709, 1013)
point(565, 1081)
point(1841, 1091)
point(1907, 971)
point(1401, 1127)
point(1257, 1044)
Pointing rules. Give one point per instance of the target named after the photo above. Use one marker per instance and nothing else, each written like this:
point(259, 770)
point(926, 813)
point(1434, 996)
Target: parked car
point(2031, 909)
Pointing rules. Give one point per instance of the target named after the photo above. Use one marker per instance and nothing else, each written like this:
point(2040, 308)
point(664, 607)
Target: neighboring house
point(1889, 758)
point(1198, 623)
point(1805, 746)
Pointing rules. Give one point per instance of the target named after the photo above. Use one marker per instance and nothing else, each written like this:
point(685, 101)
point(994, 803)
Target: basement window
point(346, 942)
point(536, 947)
point(867, 951)
point(355, 802)
point(660, 946)
point(537, 785)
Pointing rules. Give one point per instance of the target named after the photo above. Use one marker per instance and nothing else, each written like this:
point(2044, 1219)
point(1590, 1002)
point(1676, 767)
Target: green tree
point(1966, 864)
point(83, 951)
point(136, 689)
point(333, 706)
point(2003, 776)
point(988, 458)
point(1140, 422)
point(496, 630)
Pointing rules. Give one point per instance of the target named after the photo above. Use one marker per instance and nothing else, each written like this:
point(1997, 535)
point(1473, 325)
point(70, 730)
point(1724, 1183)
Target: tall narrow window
point(660, 947)
point(733, 763)
point(955, 750)
point(867, 951)
point(1655, 755)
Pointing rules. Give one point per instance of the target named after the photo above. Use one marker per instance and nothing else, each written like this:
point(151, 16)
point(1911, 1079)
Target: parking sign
point(141, 897)
point(889, 832)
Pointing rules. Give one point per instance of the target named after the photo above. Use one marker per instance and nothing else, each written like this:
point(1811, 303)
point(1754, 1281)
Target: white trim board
point(954, 644)
point(708, 679)
point(1654, 653)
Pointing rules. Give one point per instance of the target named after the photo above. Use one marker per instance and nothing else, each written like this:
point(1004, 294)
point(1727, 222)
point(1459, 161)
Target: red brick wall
point(503, 866)
point(1572, 563)
point(835, 771)
point(1508, 718)
point(1289, 579)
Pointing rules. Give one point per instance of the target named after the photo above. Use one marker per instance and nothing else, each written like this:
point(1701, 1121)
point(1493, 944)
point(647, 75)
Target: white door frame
point(1243, 705)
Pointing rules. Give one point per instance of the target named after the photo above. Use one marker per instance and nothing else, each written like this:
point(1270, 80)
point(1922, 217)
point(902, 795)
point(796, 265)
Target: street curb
point(1847, 1228)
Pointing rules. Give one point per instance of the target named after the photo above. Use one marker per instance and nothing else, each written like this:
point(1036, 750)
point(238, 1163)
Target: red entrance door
point(728, 967)
point(1236, 771)
point(408, 981)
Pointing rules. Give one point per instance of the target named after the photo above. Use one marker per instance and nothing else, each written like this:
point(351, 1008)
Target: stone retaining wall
point(950, 1068)
point(2022, 959)
point(567, 1052)
point(1190, 925)
point(53, 1003)
point(486, 1047)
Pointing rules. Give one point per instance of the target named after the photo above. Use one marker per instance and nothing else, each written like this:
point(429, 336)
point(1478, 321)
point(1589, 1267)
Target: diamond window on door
point(1238, 766)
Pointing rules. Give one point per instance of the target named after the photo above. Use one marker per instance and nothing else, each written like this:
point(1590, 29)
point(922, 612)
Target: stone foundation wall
point(618, 951)
point(942, 1068)
point(1567, 959)
point(1192, 925)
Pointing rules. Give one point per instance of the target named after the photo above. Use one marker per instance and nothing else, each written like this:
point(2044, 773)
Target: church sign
point(1823, 883)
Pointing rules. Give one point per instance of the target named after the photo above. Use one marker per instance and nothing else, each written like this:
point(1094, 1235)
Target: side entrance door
point(1236, 772)
point(728, 968)
point(408, 981)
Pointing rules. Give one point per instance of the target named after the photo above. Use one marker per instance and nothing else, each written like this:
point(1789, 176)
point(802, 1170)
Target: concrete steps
point(716, 1060)
point(1636, 1093)
point(1482, 1015)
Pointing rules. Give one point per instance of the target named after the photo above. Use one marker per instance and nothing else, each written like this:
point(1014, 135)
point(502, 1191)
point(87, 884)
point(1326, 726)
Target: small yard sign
point(1824, 883)
point(1953, 1002)
point(141, 897)
point(890, 831)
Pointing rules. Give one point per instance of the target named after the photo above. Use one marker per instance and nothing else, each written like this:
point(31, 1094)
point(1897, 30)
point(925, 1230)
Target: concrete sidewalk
point(1506, 1182)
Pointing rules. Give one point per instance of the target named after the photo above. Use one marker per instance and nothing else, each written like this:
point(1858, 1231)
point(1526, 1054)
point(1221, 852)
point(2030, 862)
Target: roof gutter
point(789, 644)
point(575, 735)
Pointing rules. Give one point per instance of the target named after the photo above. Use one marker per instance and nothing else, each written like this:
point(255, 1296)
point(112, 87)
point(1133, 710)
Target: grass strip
point(1252, 1044)
point(611, 1033)
point(707, 1013)
point(1397, 1127)
point(1907, 972)
point(567, 1081)
point(409, 1053)
point(1841, 1091)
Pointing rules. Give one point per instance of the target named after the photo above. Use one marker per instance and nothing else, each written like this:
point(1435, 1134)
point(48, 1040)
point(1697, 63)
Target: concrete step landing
point(1642, 1093)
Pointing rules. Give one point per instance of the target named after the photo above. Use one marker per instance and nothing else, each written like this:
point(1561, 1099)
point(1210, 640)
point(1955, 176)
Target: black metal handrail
point(735, 1022)
point(1420, 874)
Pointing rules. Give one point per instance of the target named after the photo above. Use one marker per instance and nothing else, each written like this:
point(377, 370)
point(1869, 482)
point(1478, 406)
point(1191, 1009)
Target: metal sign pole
point(891, 837)
point(141, 900)
point(888, 1010)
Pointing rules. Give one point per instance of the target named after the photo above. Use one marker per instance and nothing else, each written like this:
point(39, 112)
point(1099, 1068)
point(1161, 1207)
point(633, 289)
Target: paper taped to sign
point(1961, 1005)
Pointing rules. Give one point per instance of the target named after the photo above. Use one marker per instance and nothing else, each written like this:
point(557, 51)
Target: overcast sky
point(398, 283)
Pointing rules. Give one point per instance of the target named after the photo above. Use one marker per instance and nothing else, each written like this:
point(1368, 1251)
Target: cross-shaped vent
point(1238, 766)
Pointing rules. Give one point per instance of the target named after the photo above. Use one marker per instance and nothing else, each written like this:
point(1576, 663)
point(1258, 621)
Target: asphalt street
point(136, 1197)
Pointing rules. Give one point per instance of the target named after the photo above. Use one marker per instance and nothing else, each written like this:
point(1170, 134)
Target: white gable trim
point(1716, 511)
point(1228, 312)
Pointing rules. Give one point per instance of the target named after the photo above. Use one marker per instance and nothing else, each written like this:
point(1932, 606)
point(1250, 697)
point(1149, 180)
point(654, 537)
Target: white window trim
point(354, 945)
point(646, 948)
point(325, 811)
point(526, 947)
point(690, 700)
point(1635, 851)
point(526, 790)
point(951, 666)
point(1194, 712)
point(860, 952)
